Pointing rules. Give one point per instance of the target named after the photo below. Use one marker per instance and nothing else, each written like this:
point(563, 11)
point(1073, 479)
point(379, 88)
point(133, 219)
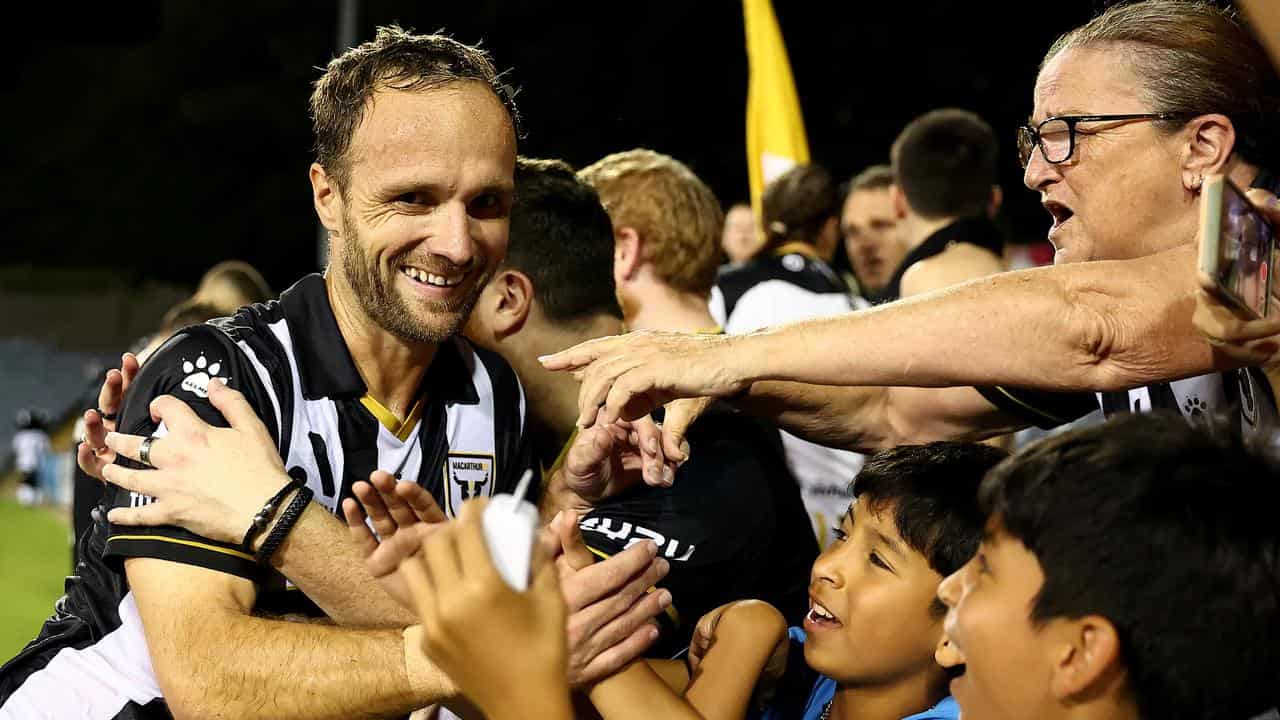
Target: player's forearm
point(1090, 326)
point(320, 559)
point(243, 666)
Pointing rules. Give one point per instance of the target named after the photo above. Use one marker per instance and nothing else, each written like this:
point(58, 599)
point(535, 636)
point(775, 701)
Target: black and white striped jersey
point(464, 438)
point(790, 285)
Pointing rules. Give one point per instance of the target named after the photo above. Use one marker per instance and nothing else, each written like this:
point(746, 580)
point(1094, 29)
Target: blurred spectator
point(231, 284)
point(741, 239)
point(872, 227)
point(791, 279)
point(30, 445)
point(946, 192)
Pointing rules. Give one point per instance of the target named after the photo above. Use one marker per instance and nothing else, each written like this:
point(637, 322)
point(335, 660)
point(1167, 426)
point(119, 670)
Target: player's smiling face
point(426, 209)
point(871, 594)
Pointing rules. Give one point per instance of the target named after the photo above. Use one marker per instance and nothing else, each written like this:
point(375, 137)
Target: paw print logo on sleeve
point(198, 374)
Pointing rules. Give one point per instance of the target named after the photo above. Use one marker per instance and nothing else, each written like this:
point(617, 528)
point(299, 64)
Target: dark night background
point(155, 139)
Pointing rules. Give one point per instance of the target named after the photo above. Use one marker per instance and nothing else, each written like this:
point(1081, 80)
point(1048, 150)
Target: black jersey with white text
point(464, 438)
point(733, 526)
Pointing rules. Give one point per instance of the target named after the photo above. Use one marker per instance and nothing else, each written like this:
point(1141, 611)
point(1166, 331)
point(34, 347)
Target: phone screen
point(1246, 251)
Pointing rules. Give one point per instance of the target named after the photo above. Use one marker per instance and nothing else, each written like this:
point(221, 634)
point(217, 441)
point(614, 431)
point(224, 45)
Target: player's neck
point(392, 368)
point(919, 229)
point(908, 696)
point(662, 308)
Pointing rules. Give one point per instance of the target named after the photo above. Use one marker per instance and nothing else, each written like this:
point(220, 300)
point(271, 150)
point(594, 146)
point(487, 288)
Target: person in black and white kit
point(791, 279)
point(349, 372)
point(30, 444)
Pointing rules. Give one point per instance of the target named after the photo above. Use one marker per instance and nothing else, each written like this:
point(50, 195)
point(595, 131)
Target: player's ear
point(327, 198)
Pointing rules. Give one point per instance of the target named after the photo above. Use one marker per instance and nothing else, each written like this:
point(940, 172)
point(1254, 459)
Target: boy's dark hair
point(796, 205)
point(562, 239)
point(1170, 533)
point(933, 493)
point(945, 163)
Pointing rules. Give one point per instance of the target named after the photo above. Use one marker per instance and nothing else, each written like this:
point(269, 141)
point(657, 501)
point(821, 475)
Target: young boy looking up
point(867, 648)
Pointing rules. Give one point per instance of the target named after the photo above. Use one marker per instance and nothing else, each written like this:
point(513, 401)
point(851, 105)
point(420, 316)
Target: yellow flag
point(775, 127)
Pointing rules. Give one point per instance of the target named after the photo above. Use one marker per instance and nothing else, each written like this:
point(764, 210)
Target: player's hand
point(93, 455)
point(403, 515)
point(207, 480)
point(502, 648)
point(1246, 340)
point(612, 603)
point(629, 376)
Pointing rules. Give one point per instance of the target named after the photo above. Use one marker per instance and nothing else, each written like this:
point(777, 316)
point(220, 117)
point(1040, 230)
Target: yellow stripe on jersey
point(189, 543)
point(402, 429)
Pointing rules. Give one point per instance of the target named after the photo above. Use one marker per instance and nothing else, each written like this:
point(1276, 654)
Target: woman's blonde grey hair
point(1193, 58)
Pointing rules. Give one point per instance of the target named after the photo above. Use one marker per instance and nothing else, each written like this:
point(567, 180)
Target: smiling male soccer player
point(356, 370)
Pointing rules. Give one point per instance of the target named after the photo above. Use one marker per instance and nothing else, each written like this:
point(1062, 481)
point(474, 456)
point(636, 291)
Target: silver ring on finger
point(144, 450)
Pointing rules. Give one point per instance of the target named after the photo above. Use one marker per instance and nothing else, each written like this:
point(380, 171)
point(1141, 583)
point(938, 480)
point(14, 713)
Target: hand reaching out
point(403, 515)
point(93, 455)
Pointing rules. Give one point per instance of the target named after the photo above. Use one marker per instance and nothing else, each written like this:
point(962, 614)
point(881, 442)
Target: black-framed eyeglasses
point(1056, 136)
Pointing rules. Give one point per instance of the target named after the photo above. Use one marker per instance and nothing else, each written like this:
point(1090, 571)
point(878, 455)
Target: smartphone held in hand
point(1237, 247)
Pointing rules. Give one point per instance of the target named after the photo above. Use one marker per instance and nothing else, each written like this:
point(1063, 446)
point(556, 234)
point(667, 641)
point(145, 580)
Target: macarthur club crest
point(467, 475)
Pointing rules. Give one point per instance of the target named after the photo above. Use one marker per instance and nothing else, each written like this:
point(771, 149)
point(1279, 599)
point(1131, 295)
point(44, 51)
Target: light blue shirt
point(825, 689)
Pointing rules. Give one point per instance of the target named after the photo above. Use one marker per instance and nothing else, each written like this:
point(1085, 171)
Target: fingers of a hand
point(233, 406)
point(1217, 321)
point(138, 481)
point(371, 500)
point(612, 659)
point(680, 415)
point(154, 514)
point(95, 429)
point(111, 392)
point(607, 577)
point(177, 415)
point(129, 367)
point(578, 355)
point(595, 388)
point(422, 502)
point(629, 396)
point(92, 463)
point(616, 604)
point(571, 542)
point(130, 446)
point(385, 483)
point(591, 448)
point(361, 535)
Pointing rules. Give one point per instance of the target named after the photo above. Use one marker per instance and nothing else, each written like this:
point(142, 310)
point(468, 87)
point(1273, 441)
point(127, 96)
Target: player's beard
point(435, 321)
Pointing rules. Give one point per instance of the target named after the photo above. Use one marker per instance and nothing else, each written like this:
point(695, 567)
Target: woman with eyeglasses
point(1130, 112)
